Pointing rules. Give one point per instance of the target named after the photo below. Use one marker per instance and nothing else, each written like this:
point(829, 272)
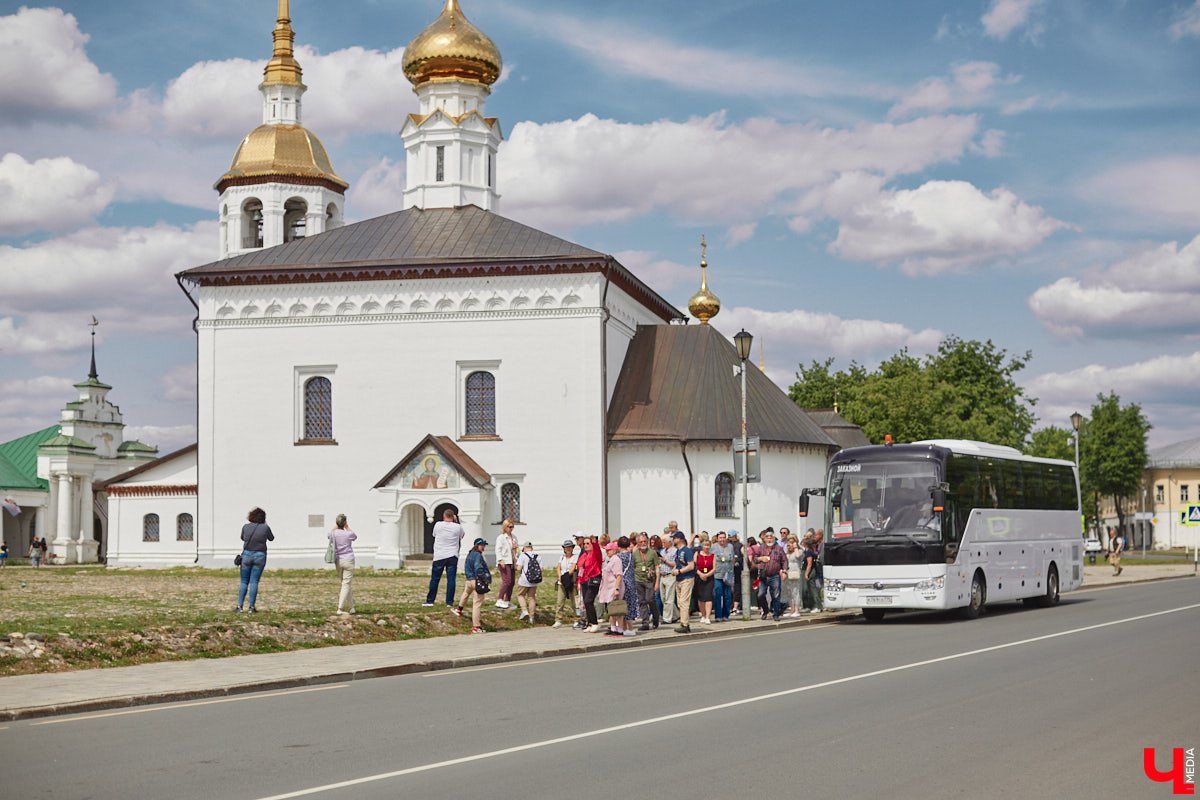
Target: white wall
point(125, 545)
point(394, 382)
point(648, 487)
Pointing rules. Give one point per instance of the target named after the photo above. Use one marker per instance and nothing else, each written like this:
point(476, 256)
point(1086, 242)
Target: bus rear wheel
point(978, 598)
point(1051, 596)
point(872, 614)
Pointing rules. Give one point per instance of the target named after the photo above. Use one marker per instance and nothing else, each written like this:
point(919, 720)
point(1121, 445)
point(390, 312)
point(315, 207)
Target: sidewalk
point(81, 691)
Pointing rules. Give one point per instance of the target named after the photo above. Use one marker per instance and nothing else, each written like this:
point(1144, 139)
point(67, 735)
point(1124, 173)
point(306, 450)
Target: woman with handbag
point(479, 577)
point(589, 580)
point(628, 585)
point(611, 588)
point(706, 567)
point(255, 535)
point(340, 539)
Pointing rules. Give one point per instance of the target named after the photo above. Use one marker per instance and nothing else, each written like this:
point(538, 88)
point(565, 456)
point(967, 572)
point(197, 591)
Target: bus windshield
point(878, 499)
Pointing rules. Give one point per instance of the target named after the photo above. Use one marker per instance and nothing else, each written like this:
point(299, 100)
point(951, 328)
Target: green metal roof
point(18, 460)
point(134, 446)
point(62, 440)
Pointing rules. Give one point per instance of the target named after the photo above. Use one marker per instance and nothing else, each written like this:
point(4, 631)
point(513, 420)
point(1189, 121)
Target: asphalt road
point(1024, 703)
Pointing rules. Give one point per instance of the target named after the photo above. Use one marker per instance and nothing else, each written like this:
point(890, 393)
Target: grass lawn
point(92, 616)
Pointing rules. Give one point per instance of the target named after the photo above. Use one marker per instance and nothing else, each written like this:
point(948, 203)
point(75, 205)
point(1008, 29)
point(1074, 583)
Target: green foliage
point(1112, 449)
point(1052, 442)
point(965, 390)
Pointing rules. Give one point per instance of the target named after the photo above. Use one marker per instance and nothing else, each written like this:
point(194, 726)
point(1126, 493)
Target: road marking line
point(189, 705)
point(667, 643)
point(708, 709)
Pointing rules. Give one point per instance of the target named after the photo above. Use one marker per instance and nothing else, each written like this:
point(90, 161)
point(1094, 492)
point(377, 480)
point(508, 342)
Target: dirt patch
point(62, 618)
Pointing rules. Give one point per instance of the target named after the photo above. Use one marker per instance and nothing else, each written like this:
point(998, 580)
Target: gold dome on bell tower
point(453, 48)
point(704, 305)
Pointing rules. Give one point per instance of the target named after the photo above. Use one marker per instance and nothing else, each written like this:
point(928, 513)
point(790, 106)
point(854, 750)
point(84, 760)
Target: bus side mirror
point(939, 498)
point(804, 505)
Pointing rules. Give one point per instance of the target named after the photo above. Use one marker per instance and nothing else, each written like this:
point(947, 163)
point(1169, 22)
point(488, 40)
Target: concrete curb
point(409, 668)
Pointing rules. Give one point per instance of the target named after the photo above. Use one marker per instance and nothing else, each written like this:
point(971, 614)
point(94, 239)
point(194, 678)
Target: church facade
point(444, 356)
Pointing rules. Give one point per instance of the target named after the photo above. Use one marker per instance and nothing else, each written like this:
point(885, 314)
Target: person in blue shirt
point(476, 571)
point(685, 574)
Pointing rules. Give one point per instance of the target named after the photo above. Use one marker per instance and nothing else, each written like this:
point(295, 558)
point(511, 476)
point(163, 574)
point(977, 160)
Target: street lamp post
point(743, 341)
point(1076, 422)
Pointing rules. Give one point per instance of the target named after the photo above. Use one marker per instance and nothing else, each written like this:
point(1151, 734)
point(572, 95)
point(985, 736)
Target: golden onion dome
point(452, 48)
point(704, 305)
point(281, 151)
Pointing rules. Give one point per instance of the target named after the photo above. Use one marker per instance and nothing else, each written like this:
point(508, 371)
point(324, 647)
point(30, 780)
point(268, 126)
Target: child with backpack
point(530, 569)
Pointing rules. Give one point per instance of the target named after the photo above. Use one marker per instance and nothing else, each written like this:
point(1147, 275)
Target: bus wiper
point(888, 536)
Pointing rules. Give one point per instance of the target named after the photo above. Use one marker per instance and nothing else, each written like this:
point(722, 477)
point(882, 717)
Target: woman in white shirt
point(342, 536)
point(526, 589)
point(506, 560)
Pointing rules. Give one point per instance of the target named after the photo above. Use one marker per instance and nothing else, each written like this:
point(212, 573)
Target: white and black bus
point(948, 524)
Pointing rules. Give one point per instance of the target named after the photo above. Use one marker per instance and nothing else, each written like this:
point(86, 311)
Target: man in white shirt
point(447, 542)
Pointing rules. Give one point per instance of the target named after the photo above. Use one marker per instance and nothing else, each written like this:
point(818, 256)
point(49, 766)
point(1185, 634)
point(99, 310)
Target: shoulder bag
point(330, 552)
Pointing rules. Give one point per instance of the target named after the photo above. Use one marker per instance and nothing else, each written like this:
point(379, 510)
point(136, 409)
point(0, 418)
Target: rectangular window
point(1183, 493)
point(1159, 494)
point(183, 528)
point(150, 528)
point(478, 397)
point(441, 163)
point(313, 387)
point(489, 170)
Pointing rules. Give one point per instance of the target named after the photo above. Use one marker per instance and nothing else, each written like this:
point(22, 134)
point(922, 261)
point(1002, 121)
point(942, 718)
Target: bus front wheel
point(1051, 596)
point(978, 598)
point(872, 614)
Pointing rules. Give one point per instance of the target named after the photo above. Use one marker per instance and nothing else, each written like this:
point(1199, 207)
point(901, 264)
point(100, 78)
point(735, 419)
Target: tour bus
point(943, 524)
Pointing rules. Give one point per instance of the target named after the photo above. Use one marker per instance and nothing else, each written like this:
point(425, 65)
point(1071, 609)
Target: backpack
point(533, 569)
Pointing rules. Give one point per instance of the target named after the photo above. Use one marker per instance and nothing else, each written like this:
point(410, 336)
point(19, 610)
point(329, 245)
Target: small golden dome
point(704, 305)
point(281, 151)
point(283, 67)
point(452, 48)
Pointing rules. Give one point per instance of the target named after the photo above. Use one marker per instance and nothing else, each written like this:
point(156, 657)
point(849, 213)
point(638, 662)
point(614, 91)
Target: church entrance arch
point(437, 516)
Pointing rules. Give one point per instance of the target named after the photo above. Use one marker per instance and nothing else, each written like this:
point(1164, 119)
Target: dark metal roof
point(466, 466)
point(466, 241)
point(678, 383)
point(1180, 454)
point(840, 429)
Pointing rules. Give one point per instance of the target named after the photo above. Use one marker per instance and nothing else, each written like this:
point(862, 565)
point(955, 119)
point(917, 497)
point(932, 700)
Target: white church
point(441, 356)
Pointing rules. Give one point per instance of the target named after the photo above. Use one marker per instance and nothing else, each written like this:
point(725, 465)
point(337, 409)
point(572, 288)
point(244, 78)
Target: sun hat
point(610, 546)
point(568, 543)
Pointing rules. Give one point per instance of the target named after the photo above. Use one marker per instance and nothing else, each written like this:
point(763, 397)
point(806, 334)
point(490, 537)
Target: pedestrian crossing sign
point(1193, 516)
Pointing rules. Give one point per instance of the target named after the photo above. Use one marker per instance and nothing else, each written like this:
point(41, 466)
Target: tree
point(965, 390)
point(1112, 450)
point(1052, 442)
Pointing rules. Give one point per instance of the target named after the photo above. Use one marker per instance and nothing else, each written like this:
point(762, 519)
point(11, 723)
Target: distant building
point(838, 428)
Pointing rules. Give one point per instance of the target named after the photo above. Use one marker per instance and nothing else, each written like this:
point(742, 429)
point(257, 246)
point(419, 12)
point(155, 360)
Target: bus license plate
point(878, 600)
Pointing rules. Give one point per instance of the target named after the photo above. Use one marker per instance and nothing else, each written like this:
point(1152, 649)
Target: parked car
point(1093, 548)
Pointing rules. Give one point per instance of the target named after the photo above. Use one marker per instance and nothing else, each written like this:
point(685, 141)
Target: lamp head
point(743, 342)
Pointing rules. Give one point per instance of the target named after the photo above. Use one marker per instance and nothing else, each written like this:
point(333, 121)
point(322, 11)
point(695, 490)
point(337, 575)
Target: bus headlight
point(931, 585)
point(833, 585)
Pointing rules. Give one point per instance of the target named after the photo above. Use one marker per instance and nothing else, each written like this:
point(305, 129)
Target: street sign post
point(753, 473)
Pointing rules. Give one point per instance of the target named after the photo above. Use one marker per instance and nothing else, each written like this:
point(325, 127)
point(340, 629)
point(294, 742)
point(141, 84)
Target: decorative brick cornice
point(293, 180)
point(180, 490)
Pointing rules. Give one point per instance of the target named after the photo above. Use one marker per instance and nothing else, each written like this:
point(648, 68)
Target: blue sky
point(869, 175)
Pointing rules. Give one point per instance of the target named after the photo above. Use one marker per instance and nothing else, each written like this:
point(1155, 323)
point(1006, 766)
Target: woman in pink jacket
point(611, 586)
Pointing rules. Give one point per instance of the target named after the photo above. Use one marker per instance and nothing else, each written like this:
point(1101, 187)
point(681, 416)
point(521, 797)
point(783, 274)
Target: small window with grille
point(150, 528)
point(510, 502)
point(183, 528)
point(441, 163)
point(481, 404)
point(723, 487)
point(318, 409)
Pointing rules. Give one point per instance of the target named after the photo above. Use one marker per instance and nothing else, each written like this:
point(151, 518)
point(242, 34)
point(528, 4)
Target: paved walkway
point(79, 691)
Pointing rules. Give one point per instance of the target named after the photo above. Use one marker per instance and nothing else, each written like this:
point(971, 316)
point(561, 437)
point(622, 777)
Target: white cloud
point(636, 53)
point(50, 194)
point(379, 190)
point(634, 169)
point(42, 332)
point(1154, 290)
point(971, 84)
point(1005, 16)
point(39, 398)
point(798, 336)
point(1156, 191)
point(167, 438)
point(179, 384)
point(662, 274)
point(1187, 23)
point(742, 232)
point(118, 266)
point(940, 225)
point(45, 67)
point(220, 99)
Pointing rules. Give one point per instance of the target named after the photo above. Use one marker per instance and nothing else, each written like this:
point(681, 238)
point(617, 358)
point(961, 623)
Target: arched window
point(252, 223)
point(318, 408)
point(510, 502)
point(295, 219)
point(723, 489)
point(150, 528)
point(481, 404)
point(183, 528)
